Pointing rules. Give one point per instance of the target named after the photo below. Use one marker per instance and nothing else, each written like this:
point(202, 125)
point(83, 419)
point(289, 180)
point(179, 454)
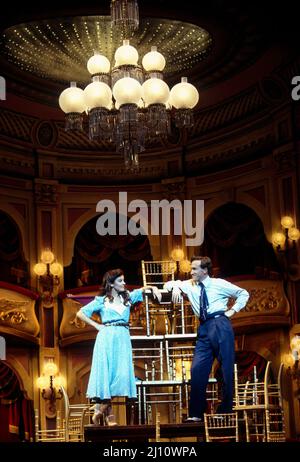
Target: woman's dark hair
point(205, 263)
point(108, 279)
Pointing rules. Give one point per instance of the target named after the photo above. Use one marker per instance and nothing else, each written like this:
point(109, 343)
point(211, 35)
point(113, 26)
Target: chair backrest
point(86, 418)
point(157, 272)
point(151, 360)
point(274, 390)
point(184, 320)
point(252, 393)
point(66, 402)
point(221, 427)
point(54, 435)
point(73, 418)
point(179, 360)
point(163, 397)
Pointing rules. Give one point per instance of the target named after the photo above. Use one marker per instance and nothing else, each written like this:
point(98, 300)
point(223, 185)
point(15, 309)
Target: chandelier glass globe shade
point(153, 61)
point(98, 64)
point(126, 55)
point(155, 91)
point(127, 91)
point(97, 94)
point(184, 95)
point(72, 100)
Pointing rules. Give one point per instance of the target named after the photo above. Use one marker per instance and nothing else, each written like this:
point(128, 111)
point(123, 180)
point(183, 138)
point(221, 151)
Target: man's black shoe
point(193, 420)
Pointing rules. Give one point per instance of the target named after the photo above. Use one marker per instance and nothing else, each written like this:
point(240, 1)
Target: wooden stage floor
point(144, 433)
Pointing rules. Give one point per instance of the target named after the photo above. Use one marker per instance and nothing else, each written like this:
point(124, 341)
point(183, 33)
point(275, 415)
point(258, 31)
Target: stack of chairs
point(154, 390)
point(179, 359)
point(261, 405)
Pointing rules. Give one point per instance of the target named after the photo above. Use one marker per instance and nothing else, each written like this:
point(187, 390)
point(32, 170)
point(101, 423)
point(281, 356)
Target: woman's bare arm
point(88, 320)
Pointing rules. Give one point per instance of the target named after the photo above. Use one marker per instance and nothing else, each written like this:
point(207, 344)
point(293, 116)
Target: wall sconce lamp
point(185, 266)
point(291, 360)
point(48, 272)
point(177, 255)
point(282, 243)
point(291, 233)
point(50, 383)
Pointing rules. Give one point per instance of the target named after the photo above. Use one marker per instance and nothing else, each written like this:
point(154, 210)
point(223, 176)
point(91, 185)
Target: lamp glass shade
point(50, 368)
point(42, 382)
point(126, 55)
point(278, 239)
point(127, 91)
point(72, 100)
point(287, 222)
point(153, 61)
point(40, 269)
point(288, 360)
point(59, 381)
point(295, 343)
point(294, 234)
point(97, 94)
point(185, 266)
point(177, 254)
point(98, 64)
point(184, 95)
point(56, 269)
point(47, 256)
point(155, 91)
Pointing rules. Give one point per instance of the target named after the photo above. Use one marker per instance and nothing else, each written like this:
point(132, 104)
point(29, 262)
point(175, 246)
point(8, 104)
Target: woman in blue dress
point(112, 371)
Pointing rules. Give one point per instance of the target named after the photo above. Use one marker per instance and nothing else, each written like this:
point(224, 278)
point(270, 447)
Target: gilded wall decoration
point(18, 315)
point(13, 311)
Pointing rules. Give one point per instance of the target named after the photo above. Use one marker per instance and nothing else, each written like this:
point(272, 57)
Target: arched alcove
point(94, 254)
point(235, 240)
point(13, 266)
point(16, 411)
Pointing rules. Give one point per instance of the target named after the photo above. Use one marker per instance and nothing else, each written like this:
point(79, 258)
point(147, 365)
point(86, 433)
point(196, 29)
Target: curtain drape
point(13, 266)
point(16, 411)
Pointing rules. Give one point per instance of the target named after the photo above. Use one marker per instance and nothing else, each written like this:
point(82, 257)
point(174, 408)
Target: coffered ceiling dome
point(59, 49)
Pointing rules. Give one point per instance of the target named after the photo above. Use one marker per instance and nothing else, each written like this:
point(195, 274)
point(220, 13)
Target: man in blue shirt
point(209, 297)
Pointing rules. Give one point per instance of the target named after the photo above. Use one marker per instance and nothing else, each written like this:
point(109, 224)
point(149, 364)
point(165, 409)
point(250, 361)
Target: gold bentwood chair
point(221, 427)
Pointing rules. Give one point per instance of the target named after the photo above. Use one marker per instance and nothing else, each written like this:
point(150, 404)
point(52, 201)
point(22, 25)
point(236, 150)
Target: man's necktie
point(203, 302)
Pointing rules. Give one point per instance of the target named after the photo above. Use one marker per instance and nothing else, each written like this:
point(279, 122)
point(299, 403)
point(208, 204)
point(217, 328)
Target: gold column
point(48, 236)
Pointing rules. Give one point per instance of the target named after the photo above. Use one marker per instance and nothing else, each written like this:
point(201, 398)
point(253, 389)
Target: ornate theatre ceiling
point(214, 44)
point(206, 43)
point(58, 49)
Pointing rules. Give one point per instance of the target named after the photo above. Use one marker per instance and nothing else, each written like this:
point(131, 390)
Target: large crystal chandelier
point(128, 104)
